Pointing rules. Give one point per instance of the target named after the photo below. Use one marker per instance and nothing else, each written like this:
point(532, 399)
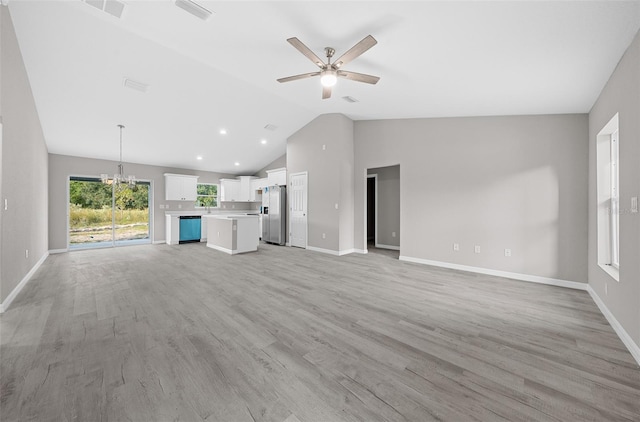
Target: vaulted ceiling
point(435, 59)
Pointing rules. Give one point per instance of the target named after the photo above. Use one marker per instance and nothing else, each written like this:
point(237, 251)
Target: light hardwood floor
point(165, 333)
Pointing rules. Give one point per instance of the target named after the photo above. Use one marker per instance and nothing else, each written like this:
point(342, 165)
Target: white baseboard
point(221, 249)
point(346, 251)
point(393, 248)
point(55, 251)
point(158, 242)
point(327, 251)
point(5, 305)
point(336, 253)
point(497, 273)
point(634, 349)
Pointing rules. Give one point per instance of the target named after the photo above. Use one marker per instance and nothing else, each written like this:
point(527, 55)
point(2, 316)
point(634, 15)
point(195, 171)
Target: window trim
point(608, 198)
point(217, 195)
point(614, 219)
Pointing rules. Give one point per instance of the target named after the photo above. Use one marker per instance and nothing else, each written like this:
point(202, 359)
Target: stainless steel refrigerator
point(274, 214)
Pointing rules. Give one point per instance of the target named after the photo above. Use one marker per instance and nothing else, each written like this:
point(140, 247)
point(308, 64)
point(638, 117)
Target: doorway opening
point(107, 215)
point(372, 208)
point(298, 229)
point(382, 226)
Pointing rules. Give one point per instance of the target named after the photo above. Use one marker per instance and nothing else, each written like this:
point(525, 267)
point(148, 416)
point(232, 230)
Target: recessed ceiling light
point(223, 131)
point(264, 141)
point(199, 157)
point(236, 163)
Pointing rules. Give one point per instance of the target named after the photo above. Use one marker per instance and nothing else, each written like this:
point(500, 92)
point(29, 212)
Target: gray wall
point(620, 95)
point(24, 167)
point(330, 178)
point(388, 222)
point(278, 163)
point(63, 166)
point(497, 182)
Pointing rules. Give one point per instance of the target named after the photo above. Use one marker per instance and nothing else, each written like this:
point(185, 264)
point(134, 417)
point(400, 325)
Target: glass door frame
point(113, 243)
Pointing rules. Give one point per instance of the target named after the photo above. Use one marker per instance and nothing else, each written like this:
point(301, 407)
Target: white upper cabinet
point(245, 189)
point(242, 189)
point(180, 187)
point(229, 189)
point(256, 188)
point(277, 177)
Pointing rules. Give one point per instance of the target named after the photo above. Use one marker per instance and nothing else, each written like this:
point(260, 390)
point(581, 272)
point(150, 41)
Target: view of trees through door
point(106, 214)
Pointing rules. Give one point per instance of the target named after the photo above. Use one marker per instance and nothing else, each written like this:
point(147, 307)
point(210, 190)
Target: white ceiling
point(435, 59)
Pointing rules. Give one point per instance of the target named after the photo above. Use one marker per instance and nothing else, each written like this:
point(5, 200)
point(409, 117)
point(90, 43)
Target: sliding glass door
point(103, 215)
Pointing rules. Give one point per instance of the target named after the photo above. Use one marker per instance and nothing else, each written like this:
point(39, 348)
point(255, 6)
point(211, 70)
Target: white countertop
point(231, 216)
point(212, 213)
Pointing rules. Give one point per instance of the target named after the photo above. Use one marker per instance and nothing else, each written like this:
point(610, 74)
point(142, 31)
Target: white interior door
point(298, 210)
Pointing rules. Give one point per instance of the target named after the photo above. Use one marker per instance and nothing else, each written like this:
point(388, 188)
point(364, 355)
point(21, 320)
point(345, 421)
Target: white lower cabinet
point(203, 229)
point(172, 229)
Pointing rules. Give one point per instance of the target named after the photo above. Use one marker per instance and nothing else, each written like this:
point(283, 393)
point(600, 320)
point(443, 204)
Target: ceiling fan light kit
point(330, 72)
point(329, 77)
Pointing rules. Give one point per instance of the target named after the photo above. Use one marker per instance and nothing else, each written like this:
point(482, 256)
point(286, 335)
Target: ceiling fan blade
point(355, 51)
point(359, 77)
point(306, 51)
point(326, 92)
point(296, 77)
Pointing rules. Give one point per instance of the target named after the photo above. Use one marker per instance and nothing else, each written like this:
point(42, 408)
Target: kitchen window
point(207, 195)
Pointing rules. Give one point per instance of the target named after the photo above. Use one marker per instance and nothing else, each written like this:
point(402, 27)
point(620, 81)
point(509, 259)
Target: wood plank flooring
point(168, 333)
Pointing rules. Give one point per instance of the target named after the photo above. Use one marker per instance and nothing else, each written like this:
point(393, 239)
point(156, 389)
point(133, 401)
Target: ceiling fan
point(330, 72)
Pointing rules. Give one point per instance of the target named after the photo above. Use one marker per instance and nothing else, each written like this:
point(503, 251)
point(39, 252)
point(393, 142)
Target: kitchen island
point(232, 234)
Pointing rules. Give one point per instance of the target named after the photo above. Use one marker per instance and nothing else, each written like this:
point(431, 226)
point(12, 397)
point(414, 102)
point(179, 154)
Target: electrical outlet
point(634, 204)
point(26, 253)
point(393, 234)
point(179, 206)
point(456, 247)
point(324, 147)
point(507, 252)
point(336, 205)
point(477, 249)
point(324, 235)
point(6, 204)
point(606, 289)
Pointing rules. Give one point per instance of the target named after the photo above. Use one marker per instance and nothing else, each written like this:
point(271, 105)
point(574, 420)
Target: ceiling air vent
point(112, 7)
point(271, 127)
point(350, 99)
point(138, 86)
point(194, 8)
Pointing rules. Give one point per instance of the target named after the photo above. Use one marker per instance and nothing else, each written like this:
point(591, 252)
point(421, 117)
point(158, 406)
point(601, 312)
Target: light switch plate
point(477, 249)
point(634, 204)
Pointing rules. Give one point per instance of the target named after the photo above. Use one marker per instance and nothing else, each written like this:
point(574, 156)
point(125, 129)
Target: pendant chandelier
point(119, 177)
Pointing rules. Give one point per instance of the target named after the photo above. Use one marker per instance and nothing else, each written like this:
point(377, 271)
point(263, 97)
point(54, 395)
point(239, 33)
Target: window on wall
point(608, 195)
point(207, 195)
